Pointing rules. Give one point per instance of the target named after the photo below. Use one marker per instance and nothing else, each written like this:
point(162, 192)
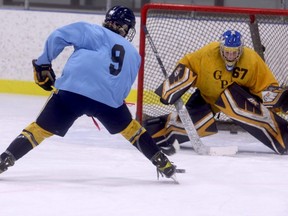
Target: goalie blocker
point(239, 105)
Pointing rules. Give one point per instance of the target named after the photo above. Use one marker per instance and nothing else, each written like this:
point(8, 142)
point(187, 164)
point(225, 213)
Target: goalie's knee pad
point(169, 127)
point(133, 131)
point(164, 129)
point(166, 134)
point(168, 131)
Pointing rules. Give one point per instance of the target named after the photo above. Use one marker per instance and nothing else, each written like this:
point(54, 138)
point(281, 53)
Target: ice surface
point(89, 172)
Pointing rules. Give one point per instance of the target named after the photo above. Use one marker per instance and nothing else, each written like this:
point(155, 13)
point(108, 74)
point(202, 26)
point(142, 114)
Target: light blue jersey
point(103, 66)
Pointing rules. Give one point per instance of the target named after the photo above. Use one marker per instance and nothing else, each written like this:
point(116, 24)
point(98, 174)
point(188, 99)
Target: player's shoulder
point(249, 53)
point(81, 26)
point(213, 44)
point(210, 47)
point(209, 50)
point(248, 50)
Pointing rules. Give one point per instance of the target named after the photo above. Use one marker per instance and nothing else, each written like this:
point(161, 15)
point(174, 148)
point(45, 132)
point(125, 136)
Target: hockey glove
point(275, 98)
point(44, 75)
point(176, 84)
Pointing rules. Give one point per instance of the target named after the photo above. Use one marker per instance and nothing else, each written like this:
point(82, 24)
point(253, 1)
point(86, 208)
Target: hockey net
point(180, 29)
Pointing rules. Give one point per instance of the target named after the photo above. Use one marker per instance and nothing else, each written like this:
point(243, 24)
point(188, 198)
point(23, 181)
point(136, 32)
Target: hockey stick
point(191, 131)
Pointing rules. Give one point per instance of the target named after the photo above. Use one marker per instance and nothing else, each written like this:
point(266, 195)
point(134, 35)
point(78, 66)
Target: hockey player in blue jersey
point(95, 81)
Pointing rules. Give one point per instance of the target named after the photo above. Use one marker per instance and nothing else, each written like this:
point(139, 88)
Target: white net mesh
point(178, 31)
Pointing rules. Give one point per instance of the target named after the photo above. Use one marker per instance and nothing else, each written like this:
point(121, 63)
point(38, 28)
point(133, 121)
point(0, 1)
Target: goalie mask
point(231, 46)
point(121, 20)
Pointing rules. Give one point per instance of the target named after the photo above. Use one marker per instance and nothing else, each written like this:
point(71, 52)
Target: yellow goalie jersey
point(213, 78)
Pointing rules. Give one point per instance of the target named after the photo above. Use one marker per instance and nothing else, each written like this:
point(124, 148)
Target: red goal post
point(180, 29)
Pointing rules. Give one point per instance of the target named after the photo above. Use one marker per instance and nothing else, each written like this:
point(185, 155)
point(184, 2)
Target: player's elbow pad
point(176, 84)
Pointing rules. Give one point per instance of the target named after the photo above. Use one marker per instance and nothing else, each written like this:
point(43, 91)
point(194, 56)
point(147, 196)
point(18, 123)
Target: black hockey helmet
point(121, 20)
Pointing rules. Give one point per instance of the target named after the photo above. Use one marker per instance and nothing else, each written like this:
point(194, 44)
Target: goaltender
point(230, 78)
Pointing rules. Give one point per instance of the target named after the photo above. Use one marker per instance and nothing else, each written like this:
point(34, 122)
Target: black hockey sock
point(19, 147)
point(146, 145)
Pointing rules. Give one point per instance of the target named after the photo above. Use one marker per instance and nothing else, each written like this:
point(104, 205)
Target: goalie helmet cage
point(180, 29)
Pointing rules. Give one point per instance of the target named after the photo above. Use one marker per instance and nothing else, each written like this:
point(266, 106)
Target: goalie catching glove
point(276, 98)
point(44, 75)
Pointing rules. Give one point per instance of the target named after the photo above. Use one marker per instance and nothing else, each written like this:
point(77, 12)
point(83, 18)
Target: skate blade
point(174, 178)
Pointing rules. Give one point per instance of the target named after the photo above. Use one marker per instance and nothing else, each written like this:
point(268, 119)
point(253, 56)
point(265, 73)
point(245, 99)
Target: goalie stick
point(195, 141)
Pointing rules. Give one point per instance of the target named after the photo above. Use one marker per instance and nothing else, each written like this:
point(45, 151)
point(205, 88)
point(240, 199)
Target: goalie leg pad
point(168, 131)
point(167, 137)
point(254, 117)
point(167, 128)
point(170, 127)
